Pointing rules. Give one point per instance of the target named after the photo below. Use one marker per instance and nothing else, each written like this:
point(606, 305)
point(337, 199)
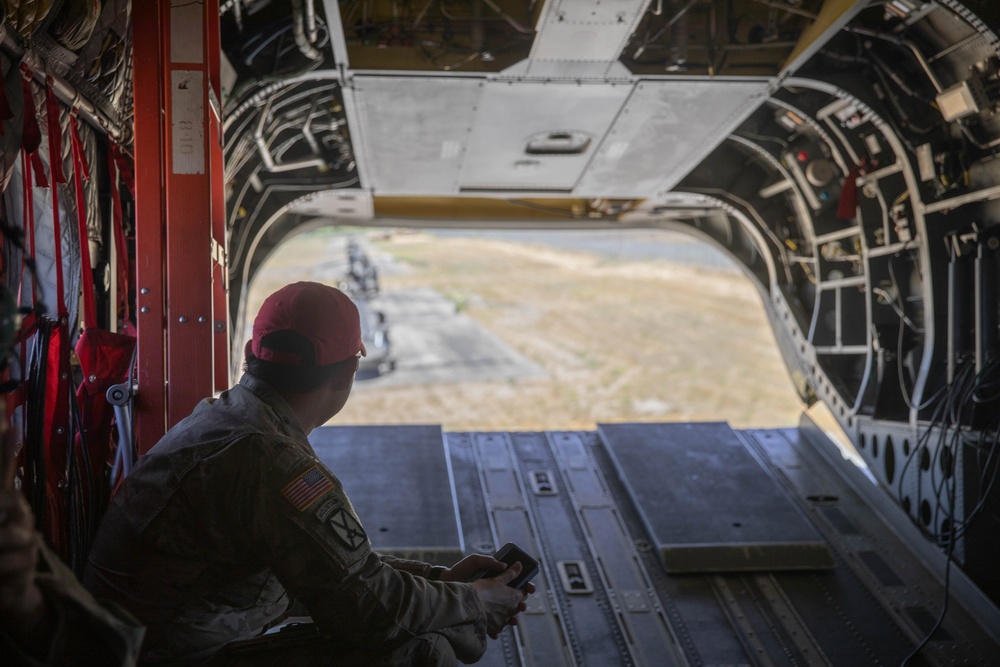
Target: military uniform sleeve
point(414, 567)
point(307, 529)
point(86, 632)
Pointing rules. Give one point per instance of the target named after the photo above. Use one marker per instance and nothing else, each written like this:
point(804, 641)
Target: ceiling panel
point(413, 132)
point(664, 131)
point(511, 115)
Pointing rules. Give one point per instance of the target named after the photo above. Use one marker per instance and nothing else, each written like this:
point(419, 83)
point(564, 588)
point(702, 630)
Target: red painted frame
point(150, 223)
point(179, 210)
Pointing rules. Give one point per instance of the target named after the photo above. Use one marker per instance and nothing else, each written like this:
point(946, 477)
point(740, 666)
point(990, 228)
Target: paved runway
point(431, 342)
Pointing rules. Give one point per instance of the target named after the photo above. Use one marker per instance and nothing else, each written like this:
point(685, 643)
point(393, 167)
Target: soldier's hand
point(470, 565)
point(22, 608)
point(501, 602)
point(18, 552)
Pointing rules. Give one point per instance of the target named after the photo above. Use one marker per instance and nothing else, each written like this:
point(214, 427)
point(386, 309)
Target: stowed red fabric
point(322, 314)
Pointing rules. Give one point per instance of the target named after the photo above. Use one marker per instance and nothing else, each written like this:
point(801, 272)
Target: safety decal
point(324, 510)
point(307, 488)
point(347, 529)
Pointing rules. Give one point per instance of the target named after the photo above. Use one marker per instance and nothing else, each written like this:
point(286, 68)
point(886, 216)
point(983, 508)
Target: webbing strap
point(80, 171)
point(31, 134)
point(31, 165)
point(28, 223)
point(120, 245)
point(128, 174)
point(56, 172)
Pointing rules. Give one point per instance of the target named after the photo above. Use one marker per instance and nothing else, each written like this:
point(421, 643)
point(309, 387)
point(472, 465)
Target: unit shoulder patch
point(348, 529)
point(308, 487)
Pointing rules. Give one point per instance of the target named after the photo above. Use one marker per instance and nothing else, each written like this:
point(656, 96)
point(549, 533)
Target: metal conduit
point(63, 90)
point(299, 21)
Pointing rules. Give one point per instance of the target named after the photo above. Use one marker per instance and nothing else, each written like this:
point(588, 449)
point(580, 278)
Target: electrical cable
point(921, 441)
point(34, 437)
point(952, 439)
point(950, 546)
point(891, 301)
point(86, 511)
point(944, 606)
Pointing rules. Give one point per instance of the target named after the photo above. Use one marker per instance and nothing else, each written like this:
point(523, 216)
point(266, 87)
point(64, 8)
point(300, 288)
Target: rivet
point(60, 430)
point(144, 290)
point(144, 309)
point(63, 376)
point(92, 378)
point(203, 319)
point(182, 319)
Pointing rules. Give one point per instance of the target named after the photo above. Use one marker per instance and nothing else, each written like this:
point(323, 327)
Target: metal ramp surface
point(604, 596)
point(707, 503)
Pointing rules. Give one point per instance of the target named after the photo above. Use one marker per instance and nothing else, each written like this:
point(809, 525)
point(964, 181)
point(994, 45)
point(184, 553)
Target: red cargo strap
point(31, 135)
point(80, 172)
point(125, 167)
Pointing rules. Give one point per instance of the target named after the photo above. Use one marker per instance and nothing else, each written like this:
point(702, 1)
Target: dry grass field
point(617, 340)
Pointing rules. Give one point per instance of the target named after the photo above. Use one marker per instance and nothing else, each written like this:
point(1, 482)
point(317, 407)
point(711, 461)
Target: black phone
point(510, 553)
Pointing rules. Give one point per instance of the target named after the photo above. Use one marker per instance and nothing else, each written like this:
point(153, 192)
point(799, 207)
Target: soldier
point(231, 516)
point(46, 616)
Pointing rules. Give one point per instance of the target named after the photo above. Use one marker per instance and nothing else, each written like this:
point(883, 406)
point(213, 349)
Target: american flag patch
point(306, 489)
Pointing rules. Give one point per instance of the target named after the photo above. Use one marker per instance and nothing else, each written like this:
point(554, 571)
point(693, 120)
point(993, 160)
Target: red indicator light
point(802, 156)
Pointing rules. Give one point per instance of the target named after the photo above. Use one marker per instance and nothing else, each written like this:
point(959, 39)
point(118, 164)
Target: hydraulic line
point(900, 42)
point(300, 20)
point(63, 90)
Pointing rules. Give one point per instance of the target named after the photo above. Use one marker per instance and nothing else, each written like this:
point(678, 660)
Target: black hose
point(34, 436)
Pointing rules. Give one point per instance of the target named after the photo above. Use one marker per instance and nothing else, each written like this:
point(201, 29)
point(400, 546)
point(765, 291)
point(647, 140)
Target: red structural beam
point(179, 192)
point(150, 224)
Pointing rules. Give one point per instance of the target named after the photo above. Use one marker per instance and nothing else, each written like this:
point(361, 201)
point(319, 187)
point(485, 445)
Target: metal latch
point(543, 483)
point(574, 576)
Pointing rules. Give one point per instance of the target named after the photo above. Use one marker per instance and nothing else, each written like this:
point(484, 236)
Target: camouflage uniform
point(86, 633)
point(230, 514)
